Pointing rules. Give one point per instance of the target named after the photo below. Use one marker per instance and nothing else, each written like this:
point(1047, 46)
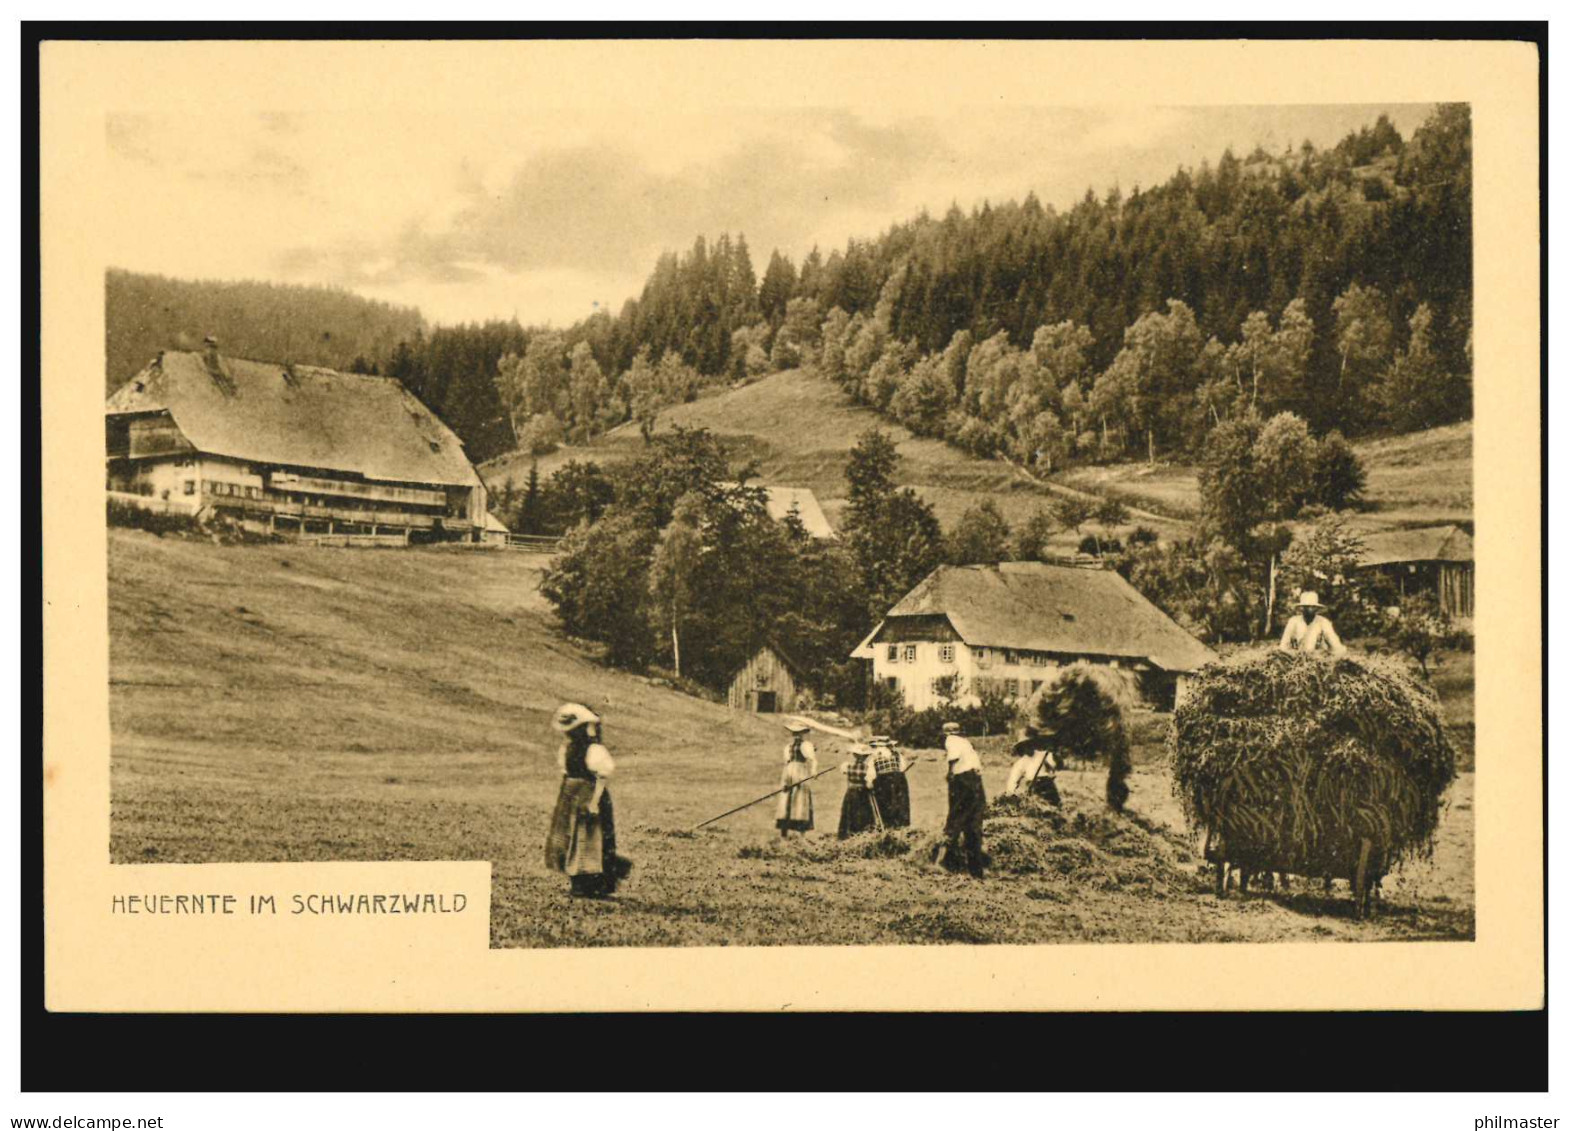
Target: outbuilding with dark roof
point(1440, 560)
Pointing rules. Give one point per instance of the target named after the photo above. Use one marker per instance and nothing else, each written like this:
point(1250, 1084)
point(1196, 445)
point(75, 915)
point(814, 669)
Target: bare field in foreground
point(285, 702)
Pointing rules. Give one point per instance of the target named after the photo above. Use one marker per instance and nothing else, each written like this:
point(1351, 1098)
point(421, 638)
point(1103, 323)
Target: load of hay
point(1080, 711)
point(1290, 761)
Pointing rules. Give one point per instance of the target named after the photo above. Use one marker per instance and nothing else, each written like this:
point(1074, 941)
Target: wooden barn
point(1436, 559)
point(769, 682)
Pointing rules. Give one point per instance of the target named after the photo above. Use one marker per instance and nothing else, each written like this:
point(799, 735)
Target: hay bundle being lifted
point(1312, 765)
point(1080, 711)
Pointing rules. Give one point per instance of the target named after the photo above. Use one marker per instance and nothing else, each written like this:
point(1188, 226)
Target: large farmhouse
point(1436, 559)
point(967, 630)
point(289, 448)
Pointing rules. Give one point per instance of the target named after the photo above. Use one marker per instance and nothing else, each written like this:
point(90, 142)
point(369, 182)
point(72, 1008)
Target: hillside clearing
point(799, 428)
point(285, 702)
point(1419, 479)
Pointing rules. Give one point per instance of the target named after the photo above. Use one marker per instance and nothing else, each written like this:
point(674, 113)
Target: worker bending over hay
point(1322, 766)
point(1081, 711)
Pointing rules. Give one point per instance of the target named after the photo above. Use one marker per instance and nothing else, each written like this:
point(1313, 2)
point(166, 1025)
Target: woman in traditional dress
point(800, 763)
point(858, 813)
point(890, 786)
point(582, 838)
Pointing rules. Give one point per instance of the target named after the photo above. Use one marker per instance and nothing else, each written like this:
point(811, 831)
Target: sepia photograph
point(721, 525)
point(800, 528)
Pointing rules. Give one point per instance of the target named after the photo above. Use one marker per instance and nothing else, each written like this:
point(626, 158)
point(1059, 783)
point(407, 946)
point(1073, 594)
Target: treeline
point(1334, 284)
point(145, 314)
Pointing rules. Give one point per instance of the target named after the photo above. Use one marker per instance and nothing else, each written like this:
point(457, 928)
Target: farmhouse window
point(190, 486)
point(983, 658)
point(1010, 688)
point(1009, 656)
point(760, 679)
point(945, 654)
point(909, 653)
point(893, 653)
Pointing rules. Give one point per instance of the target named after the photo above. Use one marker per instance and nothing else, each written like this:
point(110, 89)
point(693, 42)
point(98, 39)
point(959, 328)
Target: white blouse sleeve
point(599, 761)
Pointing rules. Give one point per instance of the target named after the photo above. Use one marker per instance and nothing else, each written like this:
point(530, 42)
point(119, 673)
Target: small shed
point(769, 682)
point(1436, 559)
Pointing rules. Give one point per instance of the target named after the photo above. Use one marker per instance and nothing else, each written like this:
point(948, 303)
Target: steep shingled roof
point(300, 416)
point(1429, 544)
point(1035, 607)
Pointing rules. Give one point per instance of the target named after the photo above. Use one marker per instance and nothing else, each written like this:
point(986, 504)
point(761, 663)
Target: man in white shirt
point(1034, 767)
point(1310, 629)
point(966, 803)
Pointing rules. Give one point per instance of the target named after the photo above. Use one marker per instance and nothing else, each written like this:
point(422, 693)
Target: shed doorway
point(767, 702)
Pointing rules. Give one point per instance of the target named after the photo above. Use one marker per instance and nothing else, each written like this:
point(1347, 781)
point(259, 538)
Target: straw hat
point(570, 716)
point(796, 726)
point(950, 728)
point(1308, 599)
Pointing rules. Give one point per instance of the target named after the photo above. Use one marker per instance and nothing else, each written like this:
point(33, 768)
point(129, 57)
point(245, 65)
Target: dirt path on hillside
point(1074, 493)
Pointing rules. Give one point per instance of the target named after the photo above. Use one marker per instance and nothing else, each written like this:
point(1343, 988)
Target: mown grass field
point(284, 702)
point(799, 429)
point(1420, 479)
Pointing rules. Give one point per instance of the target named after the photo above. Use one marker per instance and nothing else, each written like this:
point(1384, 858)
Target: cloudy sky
point(492, 212)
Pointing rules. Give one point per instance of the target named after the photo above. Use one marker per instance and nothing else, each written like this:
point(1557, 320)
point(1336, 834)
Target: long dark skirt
point(582, 844)
point(893, 799)
point(966, 809)
point(855, 815)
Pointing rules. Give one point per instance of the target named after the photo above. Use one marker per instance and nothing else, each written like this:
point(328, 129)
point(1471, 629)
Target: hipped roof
point(1036, 607)
point(300, 416)
point(1429, 544)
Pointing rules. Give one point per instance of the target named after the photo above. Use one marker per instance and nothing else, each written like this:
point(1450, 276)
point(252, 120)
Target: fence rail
point(539, 543)
point(354, 539)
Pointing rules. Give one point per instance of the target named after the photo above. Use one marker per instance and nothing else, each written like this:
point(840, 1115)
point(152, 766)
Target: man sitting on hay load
point(1310, 629)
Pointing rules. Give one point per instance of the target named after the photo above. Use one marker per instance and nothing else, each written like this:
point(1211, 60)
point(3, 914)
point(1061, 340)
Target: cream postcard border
point(98, 963)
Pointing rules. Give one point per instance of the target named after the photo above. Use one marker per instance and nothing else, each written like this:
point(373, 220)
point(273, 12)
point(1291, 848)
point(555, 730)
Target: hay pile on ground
point(1082, 710)
point(1055, 849)
point(1288, 761)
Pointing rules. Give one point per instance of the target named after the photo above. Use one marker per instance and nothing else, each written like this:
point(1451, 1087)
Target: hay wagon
point(1312, 766)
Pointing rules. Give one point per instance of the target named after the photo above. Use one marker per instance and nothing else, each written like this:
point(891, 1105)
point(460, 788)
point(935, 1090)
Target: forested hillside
point(1334, 283)
point(144, 314)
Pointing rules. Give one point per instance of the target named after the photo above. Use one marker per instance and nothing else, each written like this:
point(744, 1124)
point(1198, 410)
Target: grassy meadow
point(284, 702)
point(1423, 478)
point(799, 429)
point(1418, 479)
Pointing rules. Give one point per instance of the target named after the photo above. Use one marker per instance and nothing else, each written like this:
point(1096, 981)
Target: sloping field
point(799, 429)
point(1419, 479)
point(298, 703)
